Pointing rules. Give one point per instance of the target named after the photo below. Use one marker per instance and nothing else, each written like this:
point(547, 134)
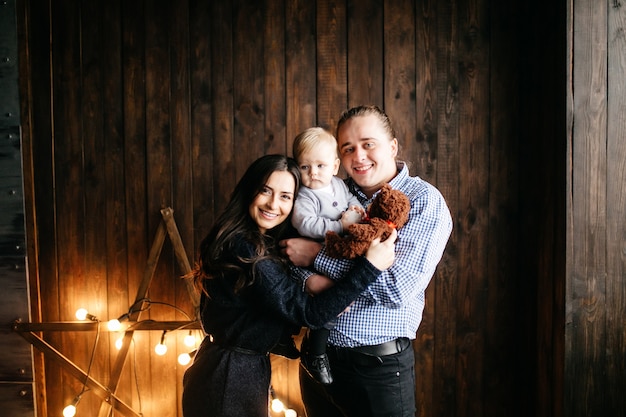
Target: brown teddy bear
point(389, 210)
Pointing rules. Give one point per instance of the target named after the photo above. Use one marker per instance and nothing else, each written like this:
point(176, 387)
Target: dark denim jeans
point(364, 386)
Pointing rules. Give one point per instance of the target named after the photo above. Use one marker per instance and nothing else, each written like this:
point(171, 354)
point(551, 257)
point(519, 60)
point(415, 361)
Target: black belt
point(369, 355)
point(388, 348)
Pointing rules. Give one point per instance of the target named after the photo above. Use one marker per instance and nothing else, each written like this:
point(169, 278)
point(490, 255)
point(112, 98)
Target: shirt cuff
point(301, 274)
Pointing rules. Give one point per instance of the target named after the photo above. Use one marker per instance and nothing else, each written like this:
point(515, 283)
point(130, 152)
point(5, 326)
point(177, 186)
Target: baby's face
point(318, 166)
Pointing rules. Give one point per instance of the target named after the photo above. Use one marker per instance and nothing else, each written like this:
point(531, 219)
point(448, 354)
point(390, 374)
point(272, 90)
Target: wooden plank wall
point(596, 207)
point(16, 369)
point(129, 107)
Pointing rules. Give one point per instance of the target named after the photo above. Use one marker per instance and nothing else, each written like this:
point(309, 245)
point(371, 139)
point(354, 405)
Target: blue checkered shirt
point(392, 306)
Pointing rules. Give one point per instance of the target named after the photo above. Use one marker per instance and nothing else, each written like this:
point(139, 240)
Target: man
point(370, 350)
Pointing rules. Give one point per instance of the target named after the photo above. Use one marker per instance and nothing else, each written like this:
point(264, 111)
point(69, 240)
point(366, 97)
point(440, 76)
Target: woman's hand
point(316, 283)
point(382, 254)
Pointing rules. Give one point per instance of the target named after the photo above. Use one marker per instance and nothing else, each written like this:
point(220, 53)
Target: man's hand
point(300, 251)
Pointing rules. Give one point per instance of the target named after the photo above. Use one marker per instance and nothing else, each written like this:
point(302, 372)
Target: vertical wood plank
point(93, 140)
point(445, 387)
point(332, 76)
point(585, 360)
point(365, 53)
point(274, 88)
point(400, 73)
point(134, 105)
point(114, 144)
point(69, 181)
point(473, 230)
point(616, 211)
point(247, 82)
point(182, 184)
point(224, 146)
point(160, 170)
point(425, 149)
point(424, 165)
point(301, 81)
point(541, 226)
point(200, 25)
point(501, 268)
point(27, 84)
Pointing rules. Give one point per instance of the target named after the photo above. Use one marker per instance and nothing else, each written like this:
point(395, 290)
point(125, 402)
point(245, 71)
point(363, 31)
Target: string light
point(70, 410)
point(83, 314)
point(161, 348)
point(115, 325)
point(277, 406)
point(190, 340)
point(185, 358)
point(119, 342)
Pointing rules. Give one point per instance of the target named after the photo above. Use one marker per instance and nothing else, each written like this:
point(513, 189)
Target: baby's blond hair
point(310, 138)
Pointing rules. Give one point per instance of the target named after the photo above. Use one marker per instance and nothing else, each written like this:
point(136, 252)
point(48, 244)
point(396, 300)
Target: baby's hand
point(353, 215)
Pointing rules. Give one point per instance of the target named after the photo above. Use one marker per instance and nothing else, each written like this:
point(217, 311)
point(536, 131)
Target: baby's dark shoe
point(318, 367)
point(286, 347)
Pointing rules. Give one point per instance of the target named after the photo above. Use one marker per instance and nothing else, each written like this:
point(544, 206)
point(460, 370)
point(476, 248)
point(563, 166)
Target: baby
point(324, 203)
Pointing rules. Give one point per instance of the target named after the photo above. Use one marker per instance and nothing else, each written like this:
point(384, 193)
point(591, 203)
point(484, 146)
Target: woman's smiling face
point(274, 202)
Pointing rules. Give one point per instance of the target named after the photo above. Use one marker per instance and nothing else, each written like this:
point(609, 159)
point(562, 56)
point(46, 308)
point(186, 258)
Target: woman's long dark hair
point(235, 220)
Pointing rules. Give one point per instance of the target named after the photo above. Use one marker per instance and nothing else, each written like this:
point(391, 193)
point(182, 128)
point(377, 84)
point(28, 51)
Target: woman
point(248, 297)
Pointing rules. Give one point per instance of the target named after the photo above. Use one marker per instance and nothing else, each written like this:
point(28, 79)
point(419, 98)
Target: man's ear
point(394, 147)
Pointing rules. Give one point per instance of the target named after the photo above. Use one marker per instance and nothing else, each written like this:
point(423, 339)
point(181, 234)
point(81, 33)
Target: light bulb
point(114, 325)
point(160, 349)
point(119, 342)
point(69, 411)
point(81, 314)
point(290, 413)
point(277, 405)
point(190, 340)
point(184, 358)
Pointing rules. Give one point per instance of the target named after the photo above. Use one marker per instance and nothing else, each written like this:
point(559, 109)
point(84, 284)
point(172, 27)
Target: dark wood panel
point(248, 84)
point(586, 356)
point(201, 131)
point(114, 219)
point(616, 209)
point(300, 58)
point(444, 305)
point(33, 27)
point(424, 164)
point(274, 87)
point(502, 263)
point(69, 186)
point(331, 63)
point(400, 74)
point(223, 140)
point(365, 52)
point(473, 216)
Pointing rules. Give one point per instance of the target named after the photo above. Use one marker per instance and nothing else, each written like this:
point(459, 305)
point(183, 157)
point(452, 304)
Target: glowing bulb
point(69, 411)
point(184, 359)
point(190, 340)
point(119, 342)
point(290, 413)
point(277, 405)
point(160, 349)
point(114, 325)
point(81, 314)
